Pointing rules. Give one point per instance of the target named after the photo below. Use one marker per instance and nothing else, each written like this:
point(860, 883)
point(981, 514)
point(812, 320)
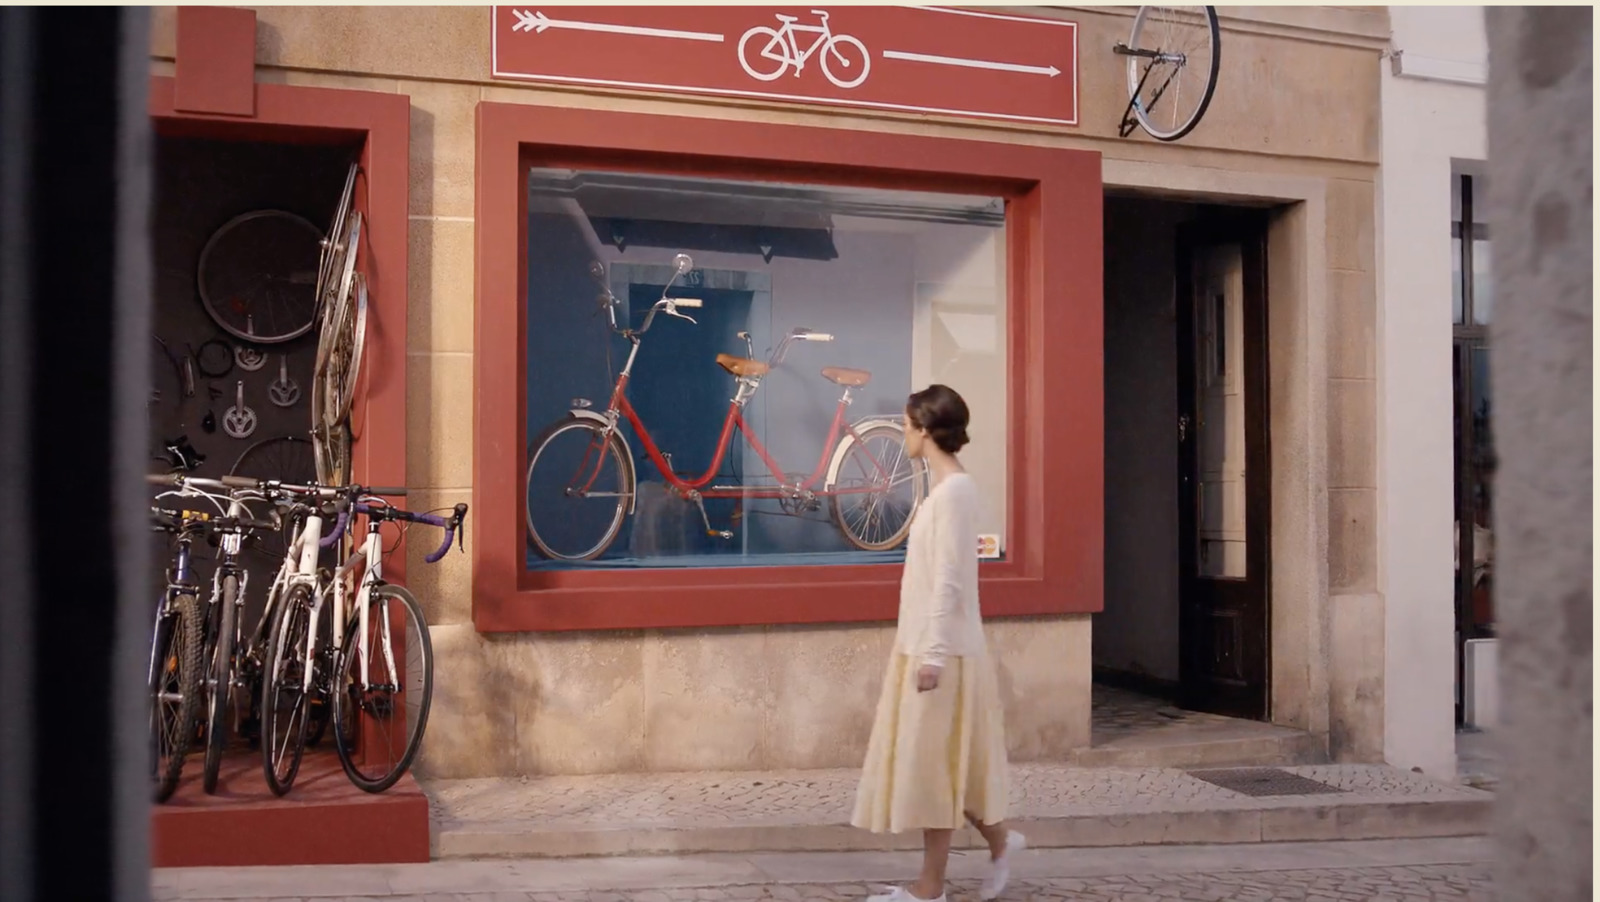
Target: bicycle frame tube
point(371, 555)
point(184, 572)
point(732, 421)
point(306, 550)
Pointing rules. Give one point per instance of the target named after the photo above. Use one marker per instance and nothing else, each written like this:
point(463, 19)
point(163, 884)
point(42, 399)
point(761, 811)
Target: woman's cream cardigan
point(939, 616)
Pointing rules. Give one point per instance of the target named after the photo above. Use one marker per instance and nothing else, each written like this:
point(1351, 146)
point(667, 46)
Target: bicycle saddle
point(843, 375)
point(742, 366)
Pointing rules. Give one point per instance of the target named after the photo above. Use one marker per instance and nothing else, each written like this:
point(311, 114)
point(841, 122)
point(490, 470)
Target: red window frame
point(1054, 535)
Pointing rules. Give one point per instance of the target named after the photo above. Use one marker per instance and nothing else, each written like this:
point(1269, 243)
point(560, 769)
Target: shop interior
point(900, 289)
point(238, 216)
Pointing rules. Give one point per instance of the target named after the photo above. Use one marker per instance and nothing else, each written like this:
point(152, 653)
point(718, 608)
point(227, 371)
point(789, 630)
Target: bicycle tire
point(326, 260)
point(918, 477)
point(176, 661)
point(286, 458)
point(320, 710)
point(280, 756)
point(345, 707)
point(223, 276)
point(332, 447)
point(219, 682)
point(1209, 14)
point(627, 486)
point(338, 299)
point(337, 379)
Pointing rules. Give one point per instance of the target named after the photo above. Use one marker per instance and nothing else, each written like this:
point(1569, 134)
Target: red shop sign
point(916, 59)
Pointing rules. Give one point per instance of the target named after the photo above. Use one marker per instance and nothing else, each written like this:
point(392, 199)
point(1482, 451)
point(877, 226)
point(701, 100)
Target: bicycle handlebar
point(454, 527)
point(691, 303)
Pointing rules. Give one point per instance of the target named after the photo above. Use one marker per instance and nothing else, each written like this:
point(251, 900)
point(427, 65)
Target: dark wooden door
point(1224, 466)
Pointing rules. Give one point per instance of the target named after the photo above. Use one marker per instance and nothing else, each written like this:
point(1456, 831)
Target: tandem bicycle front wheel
point(579, 489)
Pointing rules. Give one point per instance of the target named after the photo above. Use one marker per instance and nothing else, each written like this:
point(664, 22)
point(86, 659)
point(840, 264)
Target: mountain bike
point(229, 584)
point(176, 655)
point(581, 483)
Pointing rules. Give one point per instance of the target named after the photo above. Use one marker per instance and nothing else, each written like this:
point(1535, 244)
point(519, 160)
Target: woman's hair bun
point(942, 412)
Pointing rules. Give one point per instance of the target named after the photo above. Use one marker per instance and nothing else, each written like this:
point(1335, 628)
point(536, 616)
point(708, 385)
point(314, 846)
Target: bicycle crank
point(284, 391)
point(700, 505)
point(249, 359)
point(240, 420)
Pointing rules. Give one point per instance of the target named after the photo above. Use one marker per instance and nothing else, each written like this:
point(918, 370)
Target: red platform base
point(323, 820)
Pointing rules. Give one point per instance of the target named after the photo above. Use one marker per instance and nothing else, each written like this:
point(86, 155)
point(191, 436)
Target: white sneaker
point(899, 894)
point(1000, 868)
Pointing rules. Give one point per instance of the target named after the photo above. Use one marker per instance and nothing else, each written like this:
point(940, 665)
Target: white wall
point(1427, 125)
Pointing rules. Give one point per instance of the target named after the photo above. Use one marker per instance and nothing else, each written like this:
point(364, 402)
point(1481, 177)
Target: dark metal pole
point(74, 302)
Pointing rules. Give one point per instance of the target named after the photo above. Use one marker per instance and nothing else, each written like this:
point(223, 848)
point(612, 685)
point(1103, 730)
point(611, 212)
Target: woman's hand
point(928, 677)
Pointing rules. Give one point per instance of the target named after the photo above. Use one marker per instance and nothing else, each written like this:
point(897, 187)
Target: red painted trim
point(325, 819)
point(1056, 491)
point(322, 115)
point(216, 60)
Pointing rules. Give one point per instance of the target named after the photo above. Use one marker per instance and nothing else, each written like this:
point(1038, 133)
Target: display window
point(716, 369)
point(695, 341)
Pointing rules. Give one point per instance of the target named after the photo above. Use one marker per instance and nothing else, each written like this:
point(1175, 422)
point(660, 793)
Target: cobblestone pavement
point(826, 796)
point(1372, 871)
point(1457, 883)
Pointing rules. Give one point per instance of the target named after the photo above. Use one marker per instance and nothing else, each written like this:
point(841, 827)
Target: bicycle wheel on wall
point(336, 378)
point(381, 698)
point(258, 276)
point(1174, 56)
point(332, 448)
point(878, 487)
point(331, 259)
point(579, 488)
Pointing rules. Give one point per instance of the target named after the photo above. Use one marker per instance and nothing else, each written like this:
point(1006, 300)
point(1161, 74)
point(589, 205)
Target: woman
point(938, 754)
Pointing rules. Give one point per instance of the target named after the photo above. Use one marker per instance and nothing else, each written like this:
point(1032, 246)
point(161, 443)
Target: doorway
point(1224, 484)
point(1186, 618)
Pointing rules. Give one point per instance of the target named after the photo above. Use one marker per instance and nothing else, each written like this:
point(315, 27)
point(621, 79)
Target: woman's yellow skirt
point(935, 757)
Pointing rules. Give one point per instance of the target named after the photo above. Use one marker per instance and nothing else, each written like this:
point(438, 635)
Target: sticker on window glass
point(988, 547)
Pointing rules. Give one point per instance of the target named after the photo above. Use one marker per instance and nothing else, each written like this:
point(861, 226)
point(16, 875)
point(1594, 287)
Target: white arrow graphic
point(1051, 71)
point(539, 22)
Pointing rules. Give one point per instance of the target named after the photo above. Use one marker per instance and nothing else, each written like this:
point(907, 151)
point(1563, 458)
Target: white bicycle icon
point(782, 46)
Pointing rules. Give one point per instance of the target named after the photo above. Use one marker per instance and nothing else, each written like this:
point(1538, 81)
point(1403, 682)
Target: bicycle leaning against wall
point(375, 664)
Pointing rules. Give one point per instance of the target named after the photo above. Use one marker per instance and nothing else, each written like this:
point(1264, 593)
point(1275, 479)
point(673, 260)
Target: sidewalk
point(1057, 805)
point(1392, 871)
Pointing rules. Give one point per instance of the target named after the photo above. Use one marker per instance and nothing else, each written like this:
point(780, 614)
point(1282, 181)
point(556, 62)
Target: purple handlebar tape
point(333, 538)
point(431, 520)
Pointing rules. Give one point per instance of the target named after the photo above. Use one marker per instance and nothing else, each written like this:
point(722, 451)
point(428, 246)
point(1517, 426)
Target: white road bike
point(379, 693)
point(782, 46)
